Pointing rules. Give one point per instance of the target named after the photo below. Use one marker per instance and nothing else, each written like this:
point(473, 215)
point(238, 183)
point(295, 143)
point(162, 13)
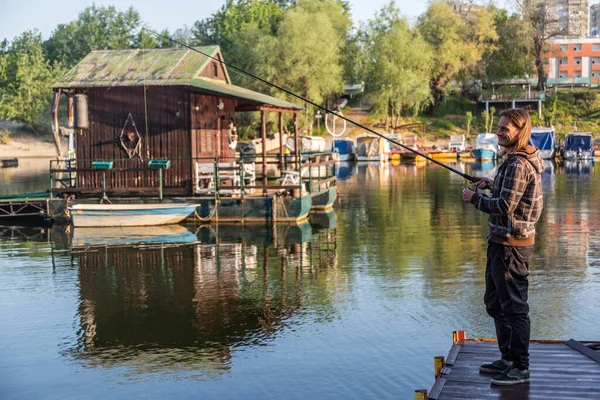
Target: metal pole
point(160, 184)
point(281, 141)
point(296, 150)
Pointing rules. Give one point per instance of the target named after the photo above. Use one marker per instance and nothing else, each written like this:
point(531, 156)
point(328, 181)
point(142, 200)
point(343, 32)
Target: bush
point(4, 137)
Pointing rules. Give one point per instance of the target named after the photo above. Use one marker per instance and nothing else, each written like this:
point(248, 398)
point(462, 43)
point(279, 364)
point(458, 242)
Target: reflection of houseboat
point(486, 147)
point(345, 148)
point(578, 146)
point(128, 236)
point(372, 148)
point(345, 170)
point(578, 167)
point(544, 139)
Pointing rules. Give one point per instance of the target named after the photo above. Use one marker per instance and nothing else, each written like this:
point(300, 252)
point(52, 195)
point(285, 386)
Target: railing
point(228, 176)
point(509, 96)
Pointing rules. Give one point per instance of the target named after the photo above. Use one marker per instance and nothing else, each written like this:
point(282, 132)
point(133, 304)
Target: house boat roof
point(163, 67)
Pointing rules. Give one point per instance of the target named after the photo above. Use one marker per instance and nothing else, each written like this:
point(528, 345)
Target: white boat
point(254, 147)
point(95, 215)
point(486, 147)
point(372, 148)
point(308, 144)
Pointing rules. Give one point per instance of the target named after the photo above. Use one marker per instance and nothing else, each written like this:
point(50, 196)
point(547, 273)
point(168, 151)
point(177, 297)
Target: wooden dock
point(562, 370)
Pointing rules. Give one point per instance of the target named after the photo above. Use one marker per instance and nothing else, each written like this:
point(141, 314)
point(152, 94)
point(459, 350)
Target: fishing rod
point(241, 71)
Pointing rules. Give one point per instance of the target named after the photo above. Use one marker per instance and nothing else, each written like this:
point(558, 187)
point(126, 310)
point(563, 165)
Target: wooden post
point(55, 122)
point(296, 149)
point(70, 116)
point(457, 336)
point(438, 365)
point(281, 155)
point(263, 134)
point(421, 394)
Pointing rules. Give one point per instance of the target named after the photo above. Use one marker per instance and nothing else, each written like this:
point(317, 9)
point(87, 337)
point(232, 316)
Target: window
point(577, 61)
point(215, 69)
point(596, 46)
point(564, 61)
point(576, 47)
point(564, 48)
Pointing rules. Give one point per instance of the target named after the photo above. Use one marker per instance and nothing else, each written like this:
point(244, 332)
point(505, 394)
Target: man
point(514, 207)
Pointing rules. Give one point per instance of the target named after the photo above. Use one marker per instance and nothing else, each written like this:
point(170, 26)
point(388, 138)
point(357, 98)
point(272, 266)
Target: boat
point(345, 149)
point(545, 140)
point(371, 148)
point(457, 143)
point(131, 235)
point(97, 215)
point(578, 146)
point(486, 147)
point(9, 163)
point(308, 144)
point(254, 147)
point(410, 141)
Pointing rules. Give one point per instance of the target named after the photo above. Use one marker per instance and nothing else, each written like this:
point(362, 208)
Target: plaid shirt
point(516, 202)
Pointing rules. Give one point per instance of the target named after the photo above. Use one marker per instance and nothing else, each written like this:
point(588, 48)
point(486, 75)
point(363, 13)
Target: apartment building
point(595, 20)
point(577, 58)
point(569, 17)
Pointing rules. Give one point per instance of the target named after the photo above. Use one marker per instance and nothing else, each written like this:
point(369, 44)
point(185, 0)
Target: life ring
point(232, 136)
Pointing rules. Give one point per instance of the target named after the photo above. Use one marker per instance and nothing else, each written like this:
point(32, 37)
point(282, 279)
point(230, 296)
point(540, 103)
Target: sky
point(17, 16)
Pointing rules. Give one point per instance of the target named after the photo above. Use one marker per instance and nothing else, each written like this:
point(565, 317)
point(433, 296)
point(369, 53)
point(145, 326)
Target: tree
point(458, 42)
point(304, 57)
point(512, 55)
point(543, 24)
point(95, 28)
point(469, 116)
point(398, 74)
point(26, 78)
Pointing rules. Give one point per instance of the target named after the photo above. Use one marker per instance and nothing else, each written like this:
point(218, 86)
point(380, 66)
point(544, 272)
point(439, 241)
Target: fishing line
point(243, 72)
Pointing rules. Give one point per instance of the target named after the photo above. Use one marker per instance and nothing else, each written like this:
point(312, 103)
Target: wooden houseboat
point(158, 126)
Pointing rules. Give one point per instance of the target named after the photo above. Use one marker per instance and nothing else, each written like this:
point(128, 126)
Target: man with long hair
point(514, 207)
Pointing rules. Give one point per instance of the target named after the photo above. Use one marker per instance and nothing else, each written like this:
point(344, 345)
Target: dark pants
point(505, 299)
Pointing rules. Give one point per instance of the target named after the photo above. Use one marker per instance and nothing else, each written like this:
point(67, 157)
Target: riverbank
point(30, 146)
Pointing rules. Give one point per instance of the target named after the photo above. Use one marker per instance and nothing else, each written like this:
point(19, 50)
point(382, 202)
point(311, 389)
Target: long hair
point(522, 121)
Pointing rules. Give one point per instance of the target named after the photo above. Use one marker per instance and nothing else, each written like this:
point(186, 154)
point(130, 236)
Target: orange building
point(576, 59)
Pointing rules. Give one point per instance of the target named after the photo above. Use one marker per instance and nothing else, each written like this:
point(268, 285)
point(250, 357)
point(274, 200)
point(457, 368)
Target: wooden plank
point(586, 351)
point(437, 388)
point(453, 354)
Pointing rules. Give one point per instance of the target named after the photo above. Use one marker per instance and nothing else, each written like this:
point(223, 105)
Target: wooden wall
point(214, 70)
point(176, 130)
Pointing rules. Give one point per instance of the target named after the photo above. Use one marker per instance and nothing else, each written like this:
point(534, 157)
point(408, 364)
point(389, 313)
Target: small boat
point(371, 148)
point(410, 141)
point(578, 146)
point(457, 143)
point(9, 163)
point(345, 149)
point(443, 154)
point(308, 144)
point(95, 215)
point(545, 140)
point(486, 147)
point(254, 147)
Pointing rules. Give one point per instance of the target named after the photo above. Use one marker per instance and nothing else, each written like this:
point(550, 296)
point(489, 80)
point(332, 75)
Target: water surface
point(353, 305)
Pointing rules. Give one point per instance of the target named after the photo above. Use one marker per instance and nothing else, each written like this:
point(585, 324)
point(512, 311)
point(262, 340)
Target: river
point(352, 305)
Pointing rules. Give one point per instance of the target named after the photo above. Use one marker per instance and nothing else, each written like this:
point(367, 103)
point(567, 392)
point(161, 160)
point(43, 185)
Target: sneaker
point(497, 367)
point(512, 376)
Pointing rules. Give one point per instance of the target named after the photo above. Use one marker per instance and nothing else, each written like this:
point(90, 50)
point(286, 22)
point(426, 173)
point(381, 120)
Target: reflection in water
point(30, 176)
point(485, 169)
point(578, 166)
point(167, 306)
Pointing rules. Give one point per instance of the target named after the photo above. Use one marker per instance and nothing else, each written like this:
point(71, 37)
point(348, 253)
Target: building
point(568, 18)
point(172, 104)
point(595, 20)
point(575, 60)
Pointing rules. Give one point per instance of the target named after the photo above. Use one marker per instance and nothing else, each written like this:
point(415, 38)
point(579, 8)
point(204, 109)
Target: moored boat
point(545, 140)
point(345, 148)
point(486, 147)
point(578, 146)
point(372, 148)
point(97, 215)
point(10, 162)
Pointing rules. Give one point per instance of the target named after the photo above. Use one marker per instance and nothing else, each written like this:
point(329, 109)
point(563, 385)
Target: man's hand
point(467, 195)
point(484, 183)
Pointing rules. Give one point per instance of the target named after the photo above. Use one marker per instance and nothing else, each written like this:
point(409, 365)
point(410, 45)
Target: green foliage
point(469, 116)
point(4, 137)
point(458, 43)
point(95, 28)
point(512, 53)
point(397, 78)
point(25, 79)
